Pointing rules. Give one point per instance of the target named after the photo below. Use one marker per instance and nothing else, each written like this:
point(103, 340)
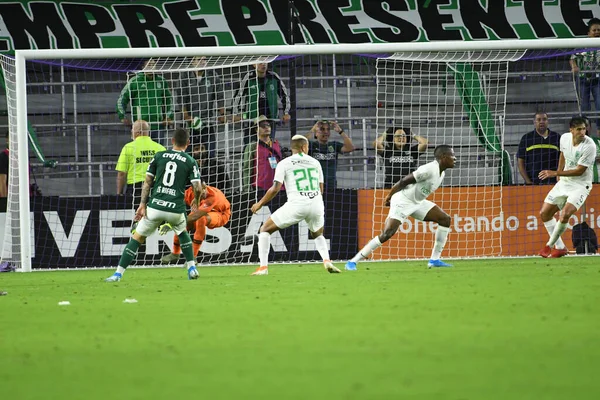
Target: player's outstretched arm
point(401, 184)
point(271, 193)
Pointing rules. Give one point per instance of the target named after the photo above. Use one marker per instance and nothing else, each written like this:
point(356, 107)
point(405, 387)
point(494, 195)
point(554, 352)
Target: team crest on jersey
point(330, 149)
point(143, 86)
point(271, 87)
point(207, 83)
point(158, 85)
point(577, 154)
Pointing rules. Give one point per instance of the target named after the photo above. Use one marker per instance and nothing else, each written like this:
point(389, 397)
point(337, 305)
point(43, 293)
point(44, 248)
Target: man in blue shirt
point(539, 150)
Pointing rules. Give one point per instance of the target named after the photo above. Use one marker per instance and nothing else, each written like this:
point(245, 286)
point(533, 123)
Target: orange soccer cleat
point(557, 253)
point(545, 252)
point(261, 271)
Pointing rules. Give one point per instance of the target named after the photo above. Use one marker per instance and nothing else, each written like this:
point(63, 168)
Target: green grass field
point(505, 329)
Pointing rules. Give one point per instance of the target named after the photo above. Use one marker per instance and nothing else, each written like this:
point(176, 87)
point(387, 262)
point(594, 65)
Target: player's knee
point(314, 235)
point(386, 235)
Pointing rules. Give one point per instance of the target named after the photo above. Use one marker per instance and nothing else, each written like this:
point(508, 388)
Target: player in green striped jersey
point(168, 174)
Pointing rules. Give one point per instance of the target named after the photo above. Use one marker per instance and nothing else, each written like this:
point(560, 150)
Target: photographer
point(326, 151)
point(399, 155)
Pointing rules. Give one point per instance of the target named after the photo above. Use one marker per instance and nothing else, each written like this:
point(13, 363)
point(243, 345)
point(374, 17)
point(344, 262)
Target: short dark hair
point(577, 121)
point(442, 150)
point(181, 137)
point(540, 112)
point(592, 22)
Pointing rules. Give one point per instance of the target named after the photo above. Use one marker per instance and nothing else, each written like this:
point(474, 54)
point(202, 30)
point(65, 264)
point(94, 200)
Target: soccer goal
point(478, 97)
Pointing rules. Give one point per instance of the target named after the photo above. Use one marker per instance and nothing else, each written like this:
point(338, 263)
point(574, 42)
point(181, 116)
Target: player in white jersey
point(408, 197)
point(303, 179)
point(577, 156)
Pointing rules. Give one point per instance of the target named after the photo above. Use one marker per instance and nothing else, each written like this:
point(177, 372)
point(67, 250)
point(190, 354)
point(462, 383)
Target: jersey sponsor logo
point(164, 203)
point(174, 156)
point(324, 157)
point(310, 195)
point(297, 162)
point(401, 159)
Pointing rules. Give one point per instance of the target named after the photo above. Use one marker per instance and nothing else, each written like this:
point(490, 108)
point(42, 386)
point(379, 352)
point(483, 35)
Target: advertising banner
point(93, 231)
point(486, 221)
point(47, 24)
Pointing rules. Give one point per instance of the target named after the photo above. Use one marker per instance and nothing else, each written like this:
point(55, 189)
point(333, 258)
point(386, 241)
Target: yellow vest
point(135, 157)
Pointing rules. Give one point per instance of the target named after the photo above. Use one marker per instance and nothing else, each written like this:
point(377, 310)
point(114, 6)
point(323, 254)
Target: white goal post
point(23, 56)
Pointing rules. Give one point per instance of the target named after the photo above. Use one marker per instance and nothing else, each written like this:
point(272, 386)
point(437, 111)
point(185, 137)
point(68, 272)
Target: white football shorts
point(566, 192)
point(401, 208)
point(292, 213)
point(154, 218)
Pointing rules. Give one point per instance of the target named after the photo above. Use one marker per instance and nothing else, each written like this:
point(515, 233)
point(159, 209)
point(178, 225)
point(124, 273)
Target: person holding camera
point(326, 151)
point(400, 155)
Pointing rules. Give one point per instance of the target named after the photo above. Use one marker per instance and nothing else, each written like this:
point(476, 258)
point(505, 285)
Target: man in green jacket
point(258, 95)
point(151, 101)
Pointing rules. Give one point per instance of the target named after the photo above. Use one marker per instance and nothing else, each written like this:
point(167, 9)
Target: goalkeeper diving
point(213, 211)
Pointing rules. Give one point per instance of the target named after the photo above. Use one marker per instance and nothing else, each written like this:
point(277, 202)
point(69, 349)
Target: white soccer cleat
point(261, 271)
point(193, 273)
point(332, 269)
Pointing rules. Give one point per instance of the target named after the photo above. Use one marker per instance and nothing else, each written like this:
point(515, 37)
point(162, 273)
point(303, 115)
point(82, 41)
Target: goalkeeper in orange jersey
point(213, 211)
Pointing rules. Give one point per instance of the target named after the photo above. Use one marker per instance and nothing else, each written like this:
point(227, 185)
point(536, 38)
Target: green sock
point(129, 253)
point(185, 241)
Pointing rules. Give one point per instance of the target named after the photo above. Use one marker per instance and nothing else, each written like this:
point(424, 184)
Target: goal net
point(79, 112)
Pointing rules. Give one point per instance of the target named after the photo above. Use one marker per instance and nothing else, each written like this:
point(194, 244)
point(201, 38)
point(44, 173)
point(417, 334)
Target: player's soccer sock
point(441, 235)
point(264, 244)
point(559, 229)
point(550, 225)
point(366, 251)
point(176, 245)
point(199, 234)
point(186, 248)
point(196, 244)
point(321, 245)
point(128, 254)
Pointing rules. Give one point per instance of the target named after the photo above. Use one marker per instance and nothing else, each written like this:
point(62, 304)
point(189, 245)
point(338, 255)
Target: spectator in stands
point(212, 171)
point(260, 87)
point(134, 159)
point(261, 158)
point(151, 101)
point(399, 155)
point(586, 72)
point(34, 189)
point(538, 150)
point(4, 167)
point(588, 132)
point(326, 151)
point(203, 103)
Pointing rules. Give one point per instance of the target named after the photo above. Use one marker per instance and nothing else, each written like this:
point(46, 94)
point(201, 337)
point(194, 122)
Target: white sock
point(550, 226)
point(441, 235)
point(120, 270)
point(264, 244)
point(321, 245)
point(366, 251)
point(559, 229)
point(191, 264)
